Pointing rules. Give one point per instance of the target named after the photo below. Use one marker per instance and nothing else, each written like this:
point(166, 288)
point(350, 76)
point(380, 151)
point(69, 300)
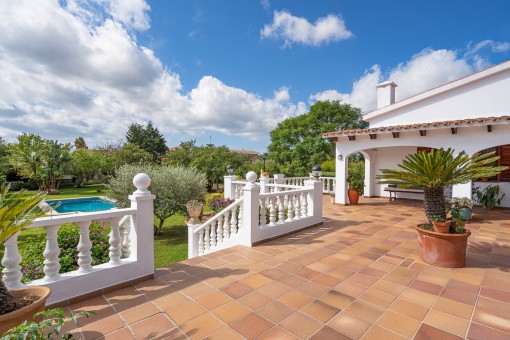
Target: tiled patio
point(357, 276)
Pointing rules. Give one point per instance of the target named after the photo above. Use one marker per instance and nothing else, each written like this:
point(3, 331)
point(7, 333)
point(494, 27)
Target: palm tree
point(439, 169)
point(16, 212)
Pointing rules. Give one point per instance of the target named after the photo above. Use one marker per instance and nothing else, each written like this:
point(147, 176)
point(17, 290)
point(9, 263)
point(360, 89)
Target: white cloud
point(293, 29)
point(70, 71)
point(265, 4)
point(425, 70)
point(132, 13)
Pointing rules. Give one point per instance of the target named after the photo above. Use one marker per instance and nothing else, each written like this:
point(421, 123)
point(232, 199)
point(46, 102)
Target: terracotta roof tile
point(398, 128)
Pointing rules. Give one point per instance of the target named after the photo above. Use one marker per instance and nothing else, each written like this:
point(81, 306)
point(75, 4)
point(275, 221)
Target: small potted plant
point(490, 197)
point(441, 224)
point(461, 207)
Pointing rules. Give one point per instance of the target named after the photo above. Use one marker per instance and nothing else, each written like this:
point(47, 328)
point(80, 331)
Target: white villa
point(471, 114)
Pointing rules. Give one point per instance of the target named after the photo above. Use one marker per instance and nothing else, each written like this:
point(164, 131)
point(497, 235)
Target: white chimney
point(385, 94)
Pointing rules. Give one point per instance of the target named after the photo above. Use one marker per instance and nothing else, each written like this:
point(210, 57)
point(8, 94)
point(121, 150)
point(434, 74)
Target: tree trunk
point(7, 302)
point(160, 226)
point(434, 203)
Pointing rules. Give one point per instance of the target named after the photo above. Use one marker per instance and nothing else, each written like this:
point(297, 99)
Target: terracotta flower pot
point(13, 319)
point(443, 250)
point(353, 196)
point(442, 227)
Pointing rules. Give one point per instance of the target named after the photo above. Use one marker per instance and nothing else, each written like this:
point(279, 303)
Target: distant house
point(471, 114)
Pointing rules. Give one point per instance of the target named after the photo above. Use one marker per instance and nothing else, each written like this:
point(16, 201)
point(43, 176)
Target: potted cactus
point(16, 213)
point(434, 171)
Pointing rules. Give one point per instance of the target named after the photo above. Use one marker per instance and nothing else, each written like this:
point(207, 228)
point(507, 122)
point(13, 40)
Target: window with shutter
point(504, 160)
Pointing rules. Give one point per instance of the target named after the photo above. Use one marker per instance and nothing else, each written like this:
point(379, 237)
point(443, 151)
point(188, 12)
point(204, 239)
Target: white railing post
point(228, 187)
point(142, 229)
point(263, 185)
point(279, 178)
point(314, 201)
point(192, 240)
point(251, 192)
point(12, 270)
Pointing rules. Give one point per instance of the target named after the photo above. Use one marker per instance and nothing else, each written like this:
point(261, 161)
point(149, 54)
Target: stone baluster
point(281, 209)
point(262, 221)
point(126, 237)
point(51, 252)
point(12, 270)
point(213, 234)
point(207, 239)
point(297, 206)
point(233, 222)
point(240, 219)
point(304, 204)
point(201, 242)
point(226, 223)
point(221, 230)
point(84, 246)
point(272, 211)
point(115, 242)
point(290, 207)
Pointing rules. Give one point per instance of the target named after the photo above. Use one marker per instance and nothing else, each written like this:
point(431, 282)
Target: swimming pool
point(88, 204)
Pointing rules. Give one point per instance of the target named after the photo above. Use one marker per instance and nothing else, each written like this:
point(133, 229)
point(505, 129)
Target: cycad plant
point(16, 212)
point(439, 169)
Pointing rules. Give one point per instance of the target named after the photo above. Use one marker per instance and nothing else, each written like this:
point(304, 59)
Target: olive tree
point(173, 186)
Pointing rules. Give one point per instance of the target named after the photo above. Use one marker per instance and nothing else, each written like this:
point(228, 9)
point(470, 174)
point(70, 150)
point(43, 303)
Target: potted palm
point(17, 212)
point(434, 171)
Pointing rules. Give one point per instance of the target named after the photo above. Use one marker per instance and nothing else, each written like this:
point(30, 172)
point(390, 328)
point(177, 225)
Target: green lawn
point(169, 247)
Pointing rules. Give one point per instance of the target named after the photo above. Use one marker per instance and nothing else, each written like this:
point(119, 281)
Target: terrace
point(358, 275)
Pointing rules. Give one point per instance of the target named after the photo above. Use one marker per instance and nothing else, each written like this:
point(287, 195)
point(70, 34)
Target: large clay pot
point(443, 250)
point(353, 196)
point(13, 319)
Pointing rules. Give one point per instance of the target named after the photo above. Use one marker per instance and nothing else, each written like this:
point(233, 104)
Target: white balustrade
point(329, 184)
point(131, 248)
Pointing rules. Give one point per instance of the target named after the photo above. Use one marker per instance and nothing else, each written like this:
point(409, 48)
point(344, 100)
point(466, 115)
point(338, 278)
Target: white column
point(228, 187)
point(142, 229)
point(12, 270)
point(341, 176)
point(314, 201)
point(193, 240)
point(251, 192)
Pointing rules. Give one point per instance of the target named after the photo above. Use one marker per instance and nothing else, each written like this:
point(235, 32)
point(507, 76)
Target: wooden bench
point(393, 191)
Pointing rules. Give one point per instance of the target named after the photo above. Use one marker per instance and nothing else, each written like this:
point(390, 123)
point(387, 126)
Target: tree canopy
point(148, 138)
point(297, 143)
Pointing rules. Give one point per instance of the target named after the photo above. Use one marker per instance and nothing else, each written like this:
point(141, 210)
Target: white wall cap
point(386, 83)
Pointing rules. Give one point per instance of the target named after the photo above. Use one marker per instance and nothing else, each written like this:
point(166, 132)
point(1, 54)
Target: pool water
point(88, 204)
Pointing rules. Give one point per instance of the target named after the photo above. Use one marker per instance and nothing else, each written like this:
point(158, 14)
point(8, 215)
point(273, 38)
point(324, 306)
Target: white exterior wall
point(486, 97)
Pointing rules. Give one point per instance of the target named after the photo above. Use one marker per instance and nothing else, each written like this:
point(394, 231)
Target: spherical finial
point(142, 182)
point(251, 176)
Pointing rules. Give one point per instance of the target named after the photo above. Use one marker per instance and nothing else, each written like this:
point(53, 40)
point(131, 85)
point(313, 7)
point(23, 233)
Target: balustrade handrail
point(81, 217)
point(235, 204)
point(282, 193)
point(291, 186)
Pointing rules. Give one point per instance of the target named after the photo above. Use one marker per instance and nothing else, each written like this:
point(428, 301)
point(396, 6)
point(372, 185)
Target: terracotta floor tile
point(365, 310)
point(493, 306)
point(231, 312)
point(292, 280)
point(276, 333)
point(459, 296)
point(428, 332)
point(213, 300)
point(453, 307)
point(197, 290)
point(123, 333)
point(201, 326)
point(320, 311)
point(254, 300)
point(419, 297)
point(152, 326)
point(379, 333)
point(139, 312)
point(399, 324)
point(256, 281)
point(225, 333)
point(236, 290)
point(495, 294)
point(479, 332)
point(492, 320)
point(313, 289)
point(426, 287)
point(273, 273)
point(378, 298)
point(169, 300)
point(251, 326)
point(362, 280)
point(349, 325)
point(301, 325)
point(328, 333)
point(340, 273)
point(408, 308)
point(104, 325)
point(295, 299)
point(447, 322)
point(327, 280)
point(185, 312)
point(274, 290)
point(275, 311)
point(336, 299)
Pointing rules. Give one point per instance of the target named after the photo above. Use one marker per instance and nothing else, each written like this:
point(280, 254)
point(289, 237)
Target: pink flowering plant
point(217, 204)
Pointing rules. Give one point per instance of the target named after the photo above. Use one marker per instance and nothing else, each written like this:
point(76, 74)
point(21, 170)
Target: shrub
point(29, 185)
point(328, 166)
point(173, 186)
point(218, 204)
point(209, 197)
point(68, 236)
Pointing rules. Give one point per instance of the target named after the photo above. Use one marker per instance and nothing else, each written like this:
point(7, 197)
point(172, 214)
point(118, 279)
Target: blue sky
point(227, 69)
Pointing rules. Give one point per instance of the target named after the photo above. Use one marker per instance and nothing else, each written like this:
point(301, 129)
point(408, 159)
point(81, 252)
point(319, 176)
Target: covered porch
point(386, 146)
point(358, 275)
